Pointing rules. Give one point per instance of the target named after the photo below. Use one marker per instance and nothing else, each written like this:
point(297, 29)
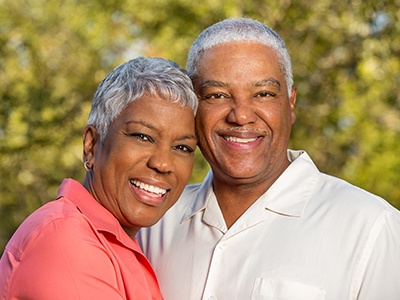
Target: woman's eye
point(142, 137)
point(184, 148)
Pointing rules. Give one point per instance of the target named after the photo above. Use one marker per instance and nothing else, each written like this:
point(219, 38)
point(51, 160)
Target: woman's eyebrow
point(143, 123)
point(188, 137)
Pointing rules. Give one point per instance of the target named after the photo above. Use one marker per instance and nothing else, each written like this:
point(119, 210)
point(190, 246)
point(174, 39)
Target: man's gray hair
point(240, 29)
point(131, 80)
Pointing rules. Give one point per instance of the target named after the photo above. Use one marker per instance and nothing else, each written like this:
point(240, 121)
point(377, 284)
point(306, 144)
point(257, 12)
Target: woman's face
point(146, 159)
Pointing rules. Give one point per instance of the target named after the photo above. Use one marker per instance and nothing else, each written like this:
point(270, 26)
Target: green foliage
point(346, 63)
point(53, 54)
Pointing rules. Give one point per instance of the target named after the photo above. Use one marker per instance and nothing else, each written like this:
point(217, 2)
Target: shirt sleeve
point(66, 260)
point(380, 267)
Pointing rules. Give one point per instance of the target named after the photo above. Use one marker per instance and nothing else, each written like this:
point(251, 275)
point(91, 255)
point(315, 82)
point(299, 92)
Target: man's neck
point(235, 196)
point(234, 200)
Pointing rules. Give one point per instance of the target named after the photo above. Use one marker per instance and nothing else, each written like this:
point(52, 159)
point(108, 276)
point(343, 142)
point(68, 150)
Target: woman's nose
point(161, 160)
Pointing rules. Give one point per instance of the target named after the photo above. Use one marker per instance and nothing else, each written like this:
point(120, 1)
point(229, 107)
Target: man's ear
point(292, 103)
point(90, 142)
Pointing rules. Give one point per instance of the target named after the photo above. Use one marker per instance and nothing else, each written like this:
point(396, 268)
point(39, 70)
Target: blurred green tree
point(346, 63)
point(52, 56)
point(345, 54)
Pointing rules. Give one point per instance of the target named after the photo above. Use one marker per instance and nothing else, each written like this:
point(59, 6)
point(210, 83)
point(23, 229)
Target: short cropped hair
point(131, 80)
point(237, 30)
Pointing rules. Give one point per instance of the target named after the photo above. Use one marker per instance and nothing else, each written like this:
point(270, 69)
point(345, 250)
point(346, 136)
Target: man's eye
point(184, 148)
point(265, 94)
point(216, 96)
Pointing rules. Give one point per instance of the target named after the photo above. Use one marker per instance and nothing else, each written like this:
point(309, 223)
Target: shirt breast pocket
point(279, 289)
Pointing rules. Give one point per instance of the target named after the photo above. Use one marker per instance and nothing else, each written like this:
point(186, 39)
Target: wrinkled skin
point(244, 120)
point(151, 143)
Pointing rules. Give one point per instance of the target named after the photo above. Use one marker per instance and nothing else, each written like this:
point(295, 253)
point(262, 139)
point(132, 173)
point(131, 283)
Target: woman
point(138, 151)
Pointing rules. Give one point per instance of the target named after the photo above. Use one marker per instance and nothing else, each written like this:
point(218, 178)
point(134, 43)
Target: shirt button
point(223, 246)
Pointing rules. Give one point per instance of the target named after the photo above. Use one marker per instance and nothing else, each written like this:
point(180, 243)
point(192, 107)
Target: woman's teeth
point(148, 187)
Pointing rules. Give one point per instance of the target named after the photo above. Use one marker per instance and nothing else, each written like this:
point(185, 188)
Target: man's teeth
point(148, 187)
point(239, 140)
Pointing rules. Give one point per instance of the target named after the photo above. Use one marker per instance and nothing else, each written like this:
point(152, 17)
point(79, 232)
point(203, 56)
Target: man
point(265, 223)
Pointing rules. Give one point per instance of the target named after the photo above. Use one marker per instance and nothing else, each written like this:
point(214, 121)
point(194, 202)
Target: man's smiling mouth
point(238, 140)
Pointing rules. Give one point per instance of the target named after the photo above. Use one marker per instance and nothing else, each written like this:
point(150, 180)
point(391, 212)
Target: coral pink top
point(74, 248)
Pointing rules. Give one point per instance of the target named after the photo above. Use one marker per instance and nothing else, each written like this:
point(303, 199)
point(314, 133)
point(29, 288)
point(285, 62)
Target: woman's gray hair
point(240, 29)
point(131, 80)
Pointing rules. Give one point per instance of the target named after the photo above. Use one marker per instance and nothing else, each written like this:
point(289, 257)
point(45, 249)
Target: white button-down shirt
point(310, 236)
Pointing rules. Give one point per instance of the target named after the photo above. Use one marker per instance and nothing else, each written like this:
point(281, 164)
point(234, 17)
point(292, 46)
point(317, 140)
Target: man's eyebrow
point(264, 82)
point(267, 82)
point(212, 83)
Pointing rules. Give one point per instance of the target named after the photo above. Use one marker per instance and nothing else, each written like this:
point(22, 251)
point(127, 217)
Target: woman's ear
point(90, 142)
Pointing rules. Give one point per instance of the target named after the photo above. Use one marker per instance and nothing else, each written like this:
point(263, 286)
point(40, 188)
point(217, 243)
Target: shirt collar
point(291, 191)
point(99, 216)
point(288, 196)
point(202, 197)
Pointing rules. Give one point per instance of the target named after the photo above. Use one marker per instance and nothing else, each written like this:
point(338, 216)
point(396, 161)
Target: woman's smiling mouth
point(148, 187)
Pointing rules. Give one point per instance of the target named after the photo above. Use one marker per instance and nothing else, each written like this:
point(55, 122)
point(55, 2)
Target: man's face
point(245, 114)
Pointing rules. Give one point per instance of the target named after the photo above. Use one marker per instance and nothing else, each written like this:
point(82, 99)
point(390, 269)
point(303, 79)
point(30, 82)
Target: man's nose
point(242, 113)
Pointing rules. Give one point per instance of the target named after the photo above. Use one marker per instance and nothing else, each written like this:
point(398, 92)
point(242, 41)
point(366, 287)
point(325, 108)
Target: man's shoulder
point(351, 197)
point(337, 194)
